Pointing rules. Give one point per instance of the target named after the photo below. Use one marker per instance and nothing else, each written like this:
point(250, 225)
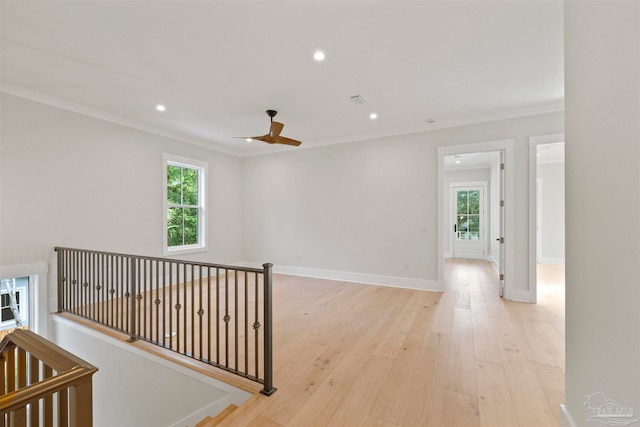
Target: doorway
point(498, 203)
point(546, 209)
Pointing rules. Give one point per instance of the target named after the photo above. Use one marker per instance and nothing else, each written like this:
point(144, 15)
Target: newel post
point(268, 332)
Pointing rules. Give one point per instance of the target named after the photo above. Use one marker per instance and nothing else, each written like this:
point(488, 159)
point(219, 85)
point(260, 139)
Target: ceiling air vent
point(358, 100)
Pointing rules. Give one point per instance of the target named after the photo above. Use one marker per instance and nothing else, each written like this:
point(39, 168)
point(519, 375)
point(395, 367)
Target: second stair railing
point(217, 314)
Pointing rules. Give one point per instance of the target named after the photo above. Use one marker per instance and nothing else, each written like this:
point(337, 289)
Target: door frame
point(534, 141)
point(507, 147)
point(483, 215)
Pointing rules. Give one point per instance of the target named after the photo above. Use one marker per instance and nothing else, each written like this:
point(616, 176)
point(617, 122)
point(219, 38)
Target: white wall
point(73, 180)
point(161, 393)
point(370, 206)
point(552, 215)
point(602, 148)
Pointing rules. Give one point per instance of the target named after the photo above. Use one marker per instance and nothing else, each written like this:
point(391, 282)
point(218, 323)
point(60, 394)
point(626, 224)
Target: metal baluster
point(217, 315)
point(111, 284)
point(119, 296)
point(177, 307)
point(200, 312)
point(85, 284)
point(140, 296)
point(81, 267)
point(170, 331)
point(61, 276)
point(156, 300)
point(256, 325)
point(192, 311)
point(208, 335)
point(226, 317)
point(92, 293)
point(105, 280)
point(246, 323)
point(133, 275)
point(185, 307)
point(236, 317)
point(74, 282)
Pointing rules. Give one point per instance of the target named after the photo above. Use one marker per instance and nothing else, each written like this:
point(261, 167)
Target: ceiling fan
point(273, 137)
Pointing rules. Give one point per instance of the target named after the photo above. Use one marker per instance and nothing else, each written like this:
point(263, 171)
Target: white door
point(468, 222)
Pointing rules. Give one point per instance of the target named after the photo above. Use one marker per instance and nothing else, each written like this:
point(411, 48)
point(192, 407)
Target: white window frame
point(24, 304)
point(203, 169)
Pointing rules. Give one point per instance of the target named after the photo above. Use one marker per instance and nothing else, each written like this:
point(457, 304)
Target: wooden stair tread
point(212, 422)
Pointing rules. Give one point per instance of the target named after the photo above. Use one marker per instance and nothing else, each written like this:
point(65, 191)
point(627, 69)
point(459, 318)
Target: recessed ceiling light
point(249, 139)
point(161, 107)
point(318, 56)
point(457, 162)
point(373, 116)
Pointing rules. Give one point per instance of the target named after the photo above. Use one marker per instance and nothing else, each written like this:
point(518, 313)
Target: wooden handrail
point(19, 398)
point(46, 351)
point(151, 258)
point(72, 381)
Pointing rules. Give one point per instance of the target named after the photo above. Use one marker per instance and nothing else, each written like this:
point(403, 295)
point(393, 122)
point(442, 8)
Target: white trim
point(538, 219)
point(565, 419)
point(211, 145)
point(427, 127)
point(38, 292)
point(493, 263)
point(203, 220)
point(534, 141)
point(32, 95)
point(346, 276)
point(552, 261)
point(507, 146)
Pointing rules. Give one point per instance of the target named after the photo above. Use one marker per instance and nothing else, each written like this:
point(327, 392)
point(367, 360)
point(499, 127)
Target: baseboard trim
point(518, 295)
point(551, 261)
point(345, 276)
point(565, 419)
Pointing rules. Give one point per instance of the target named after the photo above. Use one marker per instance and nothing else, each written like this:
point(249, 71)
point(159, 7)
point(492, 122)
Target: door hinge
point(501, 166)
point(502, 240)
point(502, 203)
point(502, 277)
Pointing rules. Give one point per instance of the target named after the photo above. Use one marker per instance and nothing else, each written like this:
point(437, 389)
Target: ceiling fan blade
point(276, 128)
point(286, 141)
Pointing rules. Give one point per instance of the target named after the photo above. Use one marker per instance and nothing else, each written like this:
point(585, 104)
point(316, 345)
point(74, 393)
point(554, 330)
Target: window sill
point(183, 251)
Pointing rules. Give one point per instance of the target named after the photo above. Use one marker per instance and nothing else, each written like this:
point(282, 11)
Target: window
point(468, 214)
point(14, 303)
point(184, 205)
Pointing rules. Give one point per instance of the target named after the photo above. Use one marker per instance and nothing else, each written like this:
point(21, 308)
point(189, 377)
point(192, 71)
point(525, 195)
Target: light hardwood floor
point(359, 355)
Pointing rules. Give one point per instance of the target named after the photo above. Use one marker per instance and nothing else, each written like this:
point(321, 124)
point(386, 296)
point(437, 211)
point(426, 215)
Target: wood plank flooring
point(358, 355)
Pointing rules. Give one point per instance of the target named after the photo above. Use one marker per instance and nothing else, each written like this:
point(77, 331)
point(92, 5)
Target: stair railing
point(41, 382)
point(218, 314)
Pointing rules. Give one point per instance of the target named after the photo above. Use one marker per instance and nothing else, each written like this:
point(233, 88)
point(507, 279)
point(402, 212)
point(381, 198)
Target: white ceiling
point(218, 65)
point(471, 161)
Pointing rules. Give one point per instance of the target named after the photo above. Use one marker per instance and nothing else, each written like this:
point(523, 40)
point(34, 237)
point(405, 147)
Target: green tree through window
point(183, 205)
